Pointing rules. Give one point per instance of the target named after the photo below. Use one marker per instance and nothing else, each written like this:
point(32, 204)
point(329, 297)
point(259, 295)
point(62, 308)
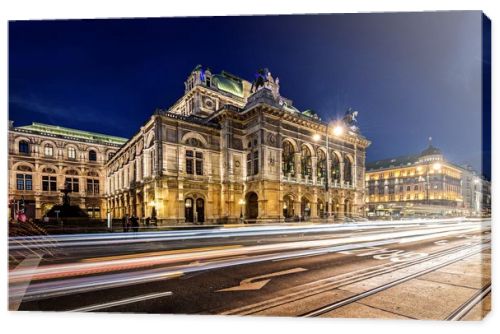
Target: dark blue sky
point(410, 75)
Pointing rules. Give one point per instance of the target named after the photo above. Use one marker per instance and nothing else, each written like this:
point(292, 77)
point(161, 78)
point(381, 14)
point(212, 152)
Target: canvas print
point(333, 165)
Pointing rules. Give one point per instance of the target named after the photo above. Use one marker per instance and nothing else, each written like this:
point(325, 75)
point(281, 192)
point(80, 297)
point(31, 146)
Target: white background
point(51, 322)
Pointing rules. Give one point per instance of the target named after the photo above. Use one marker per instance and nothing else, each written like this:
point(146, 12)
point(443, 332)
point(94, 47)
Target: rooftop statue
point(261, 78)
point(264, 79)
point(350, 119)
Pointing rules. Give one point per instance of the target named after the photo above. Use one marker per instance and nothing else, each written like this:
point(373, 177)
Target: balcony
point(92, 194)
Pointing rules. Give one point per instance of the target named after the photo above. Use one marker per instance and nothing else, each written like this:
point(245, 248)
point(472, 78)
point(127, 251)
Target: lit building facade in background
point(43, 159)
point(424, 185)
point(227, 151)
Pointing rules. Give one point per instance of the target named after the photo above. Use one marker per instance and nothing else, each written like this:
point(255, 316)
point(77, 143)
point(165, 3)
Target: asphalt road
point(417, 269)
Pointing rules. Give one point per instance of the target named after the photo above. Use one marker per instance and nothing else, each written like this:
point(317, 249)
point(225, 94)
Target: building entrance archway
point(188, 210)
point(252, 208)
point(288, 211)
point(200, 211)
point(305, 208)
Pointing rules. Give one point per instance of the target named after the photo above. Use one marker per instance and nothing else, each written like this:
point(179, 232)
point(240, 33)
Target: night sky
point(410, 76)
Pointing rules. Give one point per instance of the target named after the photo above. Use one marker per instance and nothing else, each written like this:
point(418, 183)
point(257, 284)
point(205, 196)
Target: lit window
point(48, 150)
point(71, 153)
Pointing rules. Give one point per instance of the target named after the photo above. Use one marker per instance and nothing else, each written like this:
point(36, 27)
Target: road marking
point(253, 283)
point(30, 264)
point(169, 252)
point(122, 302)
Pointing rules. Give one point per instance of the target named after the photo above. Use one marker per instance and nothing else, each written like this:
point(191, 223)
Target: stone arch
point(93, 173)
point(252, 205)
point(195, 207)
point(310, 147)
point(288, 150)
point(66, 150)
point(292, 142)
point(305, 206)
point(20, 139)
point(288, 205)
point(321, 162)
point(348, 168)
point(46, 143)
point(23, 164)
point(65, 171)
point(338, 154)
point(335, 166)
point(43, 168)
point(196, 136)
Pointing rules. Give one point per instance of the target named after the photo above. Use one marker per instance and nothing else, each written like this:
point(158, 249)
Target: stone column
point(341, 202)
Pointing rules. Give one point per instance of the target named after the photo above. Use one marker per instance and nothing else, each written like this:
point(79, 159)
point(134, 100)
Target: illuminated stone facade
point(227, 151)
point(42, 158)
point(423, 184)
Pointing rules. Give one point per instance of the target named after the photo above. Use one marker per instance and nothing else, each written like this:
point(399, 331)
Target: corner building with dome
point(230, 151)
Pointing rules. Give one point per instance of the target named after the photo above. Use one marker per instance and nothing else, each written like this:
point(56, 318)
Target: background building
point(423, 184)
point(229, 149)
point(43, 158)
point(476, 192)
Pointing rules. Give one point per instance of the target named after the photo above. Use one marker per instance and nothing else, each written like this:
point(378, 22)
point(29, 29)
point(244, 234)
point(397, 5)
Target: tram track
point(474, 249)
point(307, 290)
point(464, 309)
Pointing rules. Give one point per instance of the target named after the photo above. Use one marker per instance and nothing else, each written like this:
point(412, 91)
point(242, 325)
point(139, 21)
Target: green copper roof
point(79, 134)
point(228, 84)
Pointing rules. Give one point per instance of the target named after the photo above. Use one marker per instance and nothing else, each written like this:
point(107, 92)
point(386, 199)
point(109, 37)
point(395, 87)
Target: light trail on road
point(62, 279)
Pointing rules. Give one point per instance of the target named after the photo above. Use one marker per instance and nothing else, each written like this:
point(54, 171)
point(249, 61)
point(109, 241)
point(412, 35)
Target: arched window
point(306, 161)
point(287, 158)
point(24, 147)
point(321, 164)
point(92, 155)
point(71, 153)
point(48, 150)
point(347, 170)
point(24, 181)
point(335, 169)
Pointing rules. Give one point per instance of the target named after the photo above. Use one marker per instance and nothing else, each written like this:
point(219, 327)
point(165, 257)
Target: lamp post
point(338, 130)
point(241, 202)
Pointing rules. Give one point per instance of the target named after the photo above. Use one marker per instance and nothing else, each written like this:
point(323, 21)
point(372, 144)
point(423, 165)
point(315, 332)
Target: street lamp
point(241, 202)
point(338, 130)
point(316, 137)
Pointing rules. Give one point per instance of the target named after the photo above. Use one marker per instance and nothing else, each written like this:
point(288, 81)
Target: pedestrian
point(21, 217)
point(135, 223)
point(147, 221)
point(125, 223)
